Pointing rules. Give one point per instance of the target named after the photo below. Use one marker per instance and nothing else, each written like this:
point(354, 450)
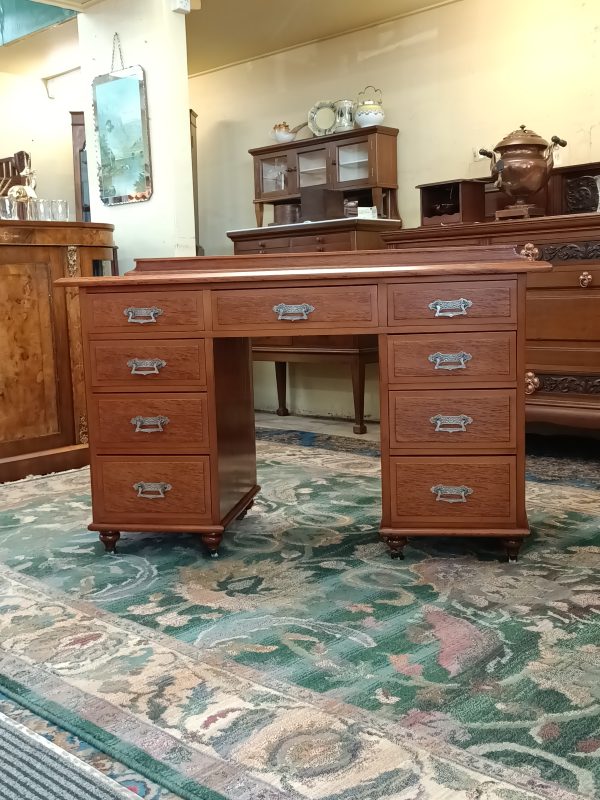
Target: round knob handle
point(320, 249)
point(585, 279)
point(262, 244)
point(262, 251)
point(319, 239)
point(532, 382)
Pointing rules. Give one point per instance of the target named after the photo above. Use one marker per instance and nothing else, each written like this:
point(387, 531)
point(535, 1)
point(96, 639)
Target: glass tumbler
point(60, 210)
point(8, 208)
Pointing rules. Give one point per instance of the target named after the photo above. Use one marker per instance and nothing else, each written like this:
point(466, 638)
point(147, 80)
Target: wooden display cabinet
point(361, 163)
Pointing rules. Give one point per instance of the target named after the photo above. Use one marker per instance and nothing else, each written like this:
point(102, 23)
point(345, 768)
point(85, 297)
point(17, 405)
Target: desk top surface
point(345, 267)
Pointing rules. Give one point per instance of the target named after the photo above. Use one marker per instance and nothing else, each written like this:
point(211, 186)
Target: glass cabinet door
point(352, 163)
point(312, 167)
point(276, 177)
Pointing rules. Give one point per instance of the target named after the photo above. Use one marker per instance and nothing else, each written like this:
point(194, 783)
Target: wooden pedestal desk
point(169, 389)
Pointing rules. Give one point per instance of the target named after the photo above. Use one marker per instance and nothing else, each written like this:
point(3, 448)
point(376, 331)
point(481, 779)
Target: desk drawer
point(151, 489)
point(453, 420)
point(452, 304)
point(300, 307)
point(146, 312)
point(322, 243)
point(432, 358)
point(277, 244)
point(149, 422)
point(142, 363)
point(451, 492)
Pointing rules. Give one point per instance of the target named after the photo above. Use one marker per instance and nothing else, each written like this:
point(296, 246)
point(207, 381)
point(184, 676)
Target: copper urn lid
point(522, 137)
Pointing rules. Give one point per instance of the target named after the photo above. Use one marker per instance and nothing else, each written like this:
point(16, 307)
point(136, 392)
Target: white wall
point(455, 77)
point(35, 122)
point(153, 36)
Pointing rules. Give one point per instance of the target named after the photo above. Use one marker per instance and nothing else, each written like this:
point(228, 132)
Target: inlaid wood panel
point(145, 312)
point(149, 422)
point(166, 363)
point(124, 489)
point(472, 490)
point(485, 357)
point(454, 304)
point(453, 420)
point(333, 307)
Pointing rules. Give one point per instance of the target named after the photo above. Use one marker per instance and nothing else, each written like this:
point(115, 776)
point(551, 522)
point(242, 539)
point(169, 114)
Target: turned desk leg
point(512, 547)
point(396, 544)
point(358, 393)
point(281, 379)
point(212, 541)
point(109, 539)
point(259, 211)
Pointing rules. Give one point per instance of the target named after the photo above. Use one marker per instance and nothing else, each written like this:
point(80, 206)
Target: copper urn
point(521, 165)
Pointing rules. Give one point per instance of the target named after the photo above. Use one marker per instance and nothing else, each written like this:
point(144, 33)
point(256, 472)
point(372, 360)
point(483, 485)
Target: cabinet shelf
point(357, 161)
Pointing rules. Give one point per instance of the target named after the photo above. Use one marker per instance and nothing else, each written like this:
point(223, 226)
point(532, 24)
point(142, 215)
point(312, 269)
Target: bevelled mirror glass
point(123, 143)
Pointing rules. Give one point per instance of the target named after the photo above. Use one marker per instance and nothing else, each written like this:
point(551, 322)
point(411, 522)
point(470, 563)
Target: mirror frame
point(107, 93)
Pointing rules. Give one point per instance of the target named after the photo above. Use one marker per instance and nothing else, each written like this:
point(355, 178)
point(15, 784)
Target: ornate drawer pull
point(585, 279)
point(450, 360)
point(142, 315)
point(451, 308)
point(450, 424)
point(293, 313)
point(151, 491)
point(146, 366)
point(149, 424)
point(451, 494)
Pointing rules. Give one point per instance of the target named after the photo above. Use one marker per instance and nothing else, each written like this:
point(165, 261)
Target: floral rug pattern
point(305, 659)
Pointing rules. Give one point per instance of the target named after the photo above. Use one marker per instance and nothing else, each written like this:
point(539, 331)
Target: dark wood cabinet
point(352, 351)
point(562, 308)
point(360, 163)
point(43, 424)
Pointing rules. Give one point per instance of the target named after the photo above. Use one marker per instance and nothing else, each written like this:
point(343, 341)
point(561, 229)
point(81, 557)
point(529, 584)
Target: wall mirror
point(123, 143)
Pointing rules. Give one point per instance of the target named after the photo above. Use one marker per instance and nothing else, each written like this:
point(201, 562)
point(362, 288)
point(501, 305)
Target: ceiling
point(225, 32)
point(230, 31)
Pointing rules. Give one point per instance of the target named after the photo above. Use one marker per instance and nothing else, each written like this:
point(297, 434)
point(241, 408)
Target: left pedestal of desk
point(170, 413)
point(43, 420)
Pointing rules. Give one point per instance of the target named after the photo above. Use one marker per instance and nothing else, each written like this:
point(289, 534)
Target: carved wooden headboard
point(10, 171)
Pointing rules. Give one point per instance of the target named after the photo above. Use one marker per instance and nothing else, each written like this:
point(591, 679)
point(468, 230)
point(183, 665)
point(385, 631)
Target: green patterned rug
point(304, 663)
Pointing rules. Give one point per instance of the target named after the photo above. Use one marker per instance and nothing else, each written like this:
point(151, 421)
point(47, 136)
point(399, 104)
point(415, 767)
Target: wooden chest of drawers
point(170, 395)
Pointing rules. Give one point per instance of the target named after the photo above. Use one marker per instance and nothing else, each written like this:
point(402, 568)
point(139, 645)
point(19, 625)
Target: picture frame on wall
point(122, 136)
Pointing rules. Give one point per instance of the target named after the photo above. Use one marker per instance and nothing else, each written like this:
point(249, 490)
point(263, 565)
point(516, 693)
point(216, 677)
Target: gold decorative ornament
point(532, 382)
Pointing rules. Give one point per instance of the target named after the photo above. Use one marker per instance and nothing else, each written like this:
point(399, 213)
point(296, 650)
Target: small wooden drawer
point(452, 304)
point(450, 492)
point(301, 307)
point(149, 423)
point(574, 275)
point(144, 312)
point(453, 420)
point(140, 364)
point(429, 359)
point(321, 243)
point(570, 315)
point(151, 489)
point(277, 244)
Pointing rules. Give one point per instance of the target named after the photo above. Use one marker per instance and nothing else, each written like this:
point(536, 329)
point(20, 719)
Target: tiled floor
point(333, 427)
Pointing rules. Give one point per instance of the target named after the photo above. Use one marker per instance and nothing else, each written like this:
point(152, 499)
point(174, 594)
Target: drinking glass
point(45, 210)
point(8, 208)
point(60, 210)
point(33, 209)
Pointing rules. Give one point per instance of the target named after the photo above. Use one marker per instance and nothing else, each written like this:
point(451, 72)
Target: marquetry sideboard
point(354, 351)
point(563, 307)
point(43, 425)
point(169, 387)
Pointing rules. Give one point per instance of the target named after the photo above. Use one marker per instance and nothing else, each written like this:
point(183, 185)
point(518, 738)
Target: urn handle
point(486, 153)
point(558, 141)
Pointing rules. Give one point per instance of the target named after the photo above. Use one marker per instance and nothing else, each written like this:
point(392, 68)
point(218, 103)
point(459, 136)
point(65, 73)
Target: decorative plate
point(322, 118)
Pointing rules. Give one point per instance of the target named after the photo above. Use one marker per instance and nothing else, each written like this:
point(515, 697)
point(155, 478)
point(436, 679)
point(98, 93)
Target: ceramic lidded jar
point(369, 110)
point(281, 132)
point(524, 162)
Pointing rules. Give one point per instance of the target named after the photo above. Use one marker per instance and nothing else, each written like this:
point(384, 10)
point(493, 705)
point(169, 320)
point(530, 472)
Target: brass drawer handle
point(585, 279)
point(146, 366)
point(142, 315)
point(151, 491)
point(293, 312)
point(450, 361)
point(451, 494)
point(451, 308)
point(454, 424)
point(149, 424)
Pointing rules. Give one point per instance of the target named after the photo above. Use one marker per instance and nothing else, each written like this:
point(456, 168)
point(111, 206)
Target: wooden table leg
point(281, 378)
point(358, 393)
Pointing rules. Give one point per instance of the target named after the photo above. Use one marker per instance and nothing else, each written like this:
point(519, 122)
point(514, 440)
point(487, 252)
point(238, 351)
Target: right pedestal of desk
point(562, 309)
